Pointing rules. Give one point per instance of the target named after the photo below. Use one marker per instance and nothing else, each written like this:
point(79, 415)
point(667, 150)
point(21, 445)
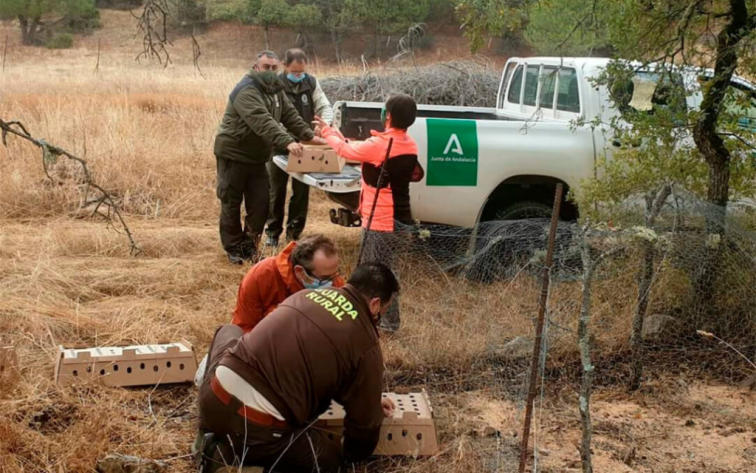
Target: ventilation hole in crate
point(89, 369)
point(419, 436)
point(128, 370)
point(181, 367)
point(330, 436)
point(383, 395)
point(155, 368)
point(141, 366)
point(168, 364)
point(102, 372)
point(390, 437)
point(405, 433)
point(75, 373)
point(115, 367)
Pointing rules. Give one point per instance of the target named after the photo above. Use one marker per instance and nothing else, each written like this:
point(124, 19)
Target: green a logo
point(452, 152)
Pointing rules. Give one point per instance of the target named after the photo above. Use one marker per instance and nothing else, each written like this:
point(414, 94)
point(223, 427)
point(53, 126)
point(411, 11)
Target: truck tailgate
point(348, 180)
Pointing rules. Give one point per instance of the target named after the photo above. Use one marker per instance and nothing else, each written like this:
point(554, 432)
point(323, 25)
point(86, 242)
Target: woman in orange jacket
point(393, 205)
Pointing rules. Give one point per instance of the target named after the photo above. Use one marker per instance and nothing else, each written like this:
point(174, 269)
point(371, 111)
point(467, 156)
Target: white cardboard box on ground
point(135, 365)
point(316, 158)
point(411, 431)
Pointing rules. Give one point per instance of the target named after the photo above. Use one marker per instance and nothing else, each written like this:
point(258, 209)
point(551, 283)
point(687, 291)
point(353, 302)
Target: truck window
point(569, 95)
point(514, 89)
point(505, 81)
point(647, 91)
point(741, 103)
point(548, 85)
point(531, 86)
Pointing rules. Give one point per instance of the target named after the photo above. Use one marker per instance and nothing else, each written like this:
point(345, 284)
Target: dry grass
point(64, 279)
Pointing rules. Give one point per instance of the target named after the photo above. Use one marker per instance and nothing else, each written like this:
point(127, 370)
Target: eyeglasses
point(269, 67)
point(323, 280)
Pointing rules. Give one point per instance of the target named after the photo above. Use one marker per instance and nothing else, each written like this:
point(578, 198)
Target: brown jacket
point(267, 284)
point(318, 346)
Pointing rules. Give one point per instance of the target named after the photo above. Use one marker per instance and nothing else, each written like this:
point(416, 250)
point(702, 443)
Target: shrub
point(60, 41)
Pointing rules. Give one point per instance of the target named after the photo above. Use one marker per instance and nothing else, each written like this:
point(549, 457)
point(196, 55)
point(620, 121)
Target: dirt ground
point(66, 278)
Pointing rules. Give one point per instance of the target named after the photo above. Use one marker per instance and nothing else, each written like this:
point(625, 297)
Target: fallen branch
point(113, 215)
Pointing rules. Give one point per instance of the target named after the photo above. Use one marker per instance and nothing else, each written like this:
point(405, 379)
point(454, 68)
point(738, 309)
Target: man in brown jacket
point(262, 393)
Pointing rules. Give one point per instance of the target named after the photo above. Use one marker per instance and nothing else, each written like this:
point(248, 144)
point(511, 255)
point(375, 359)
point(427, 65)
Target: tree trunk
point(26, 37)
point(336, 45)
point(711, 145)
point(266, 33)
point(708, 141)
point(33, 30)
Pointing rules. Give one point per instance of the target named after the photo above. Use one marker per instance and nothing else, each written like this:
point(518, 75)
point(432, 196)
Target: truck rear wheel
point(523, 210)
point(503, 249)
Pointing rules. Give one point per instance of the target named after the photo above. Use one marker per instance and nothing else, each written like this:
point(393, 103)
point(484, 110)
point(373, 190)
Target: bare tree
point(95, 197)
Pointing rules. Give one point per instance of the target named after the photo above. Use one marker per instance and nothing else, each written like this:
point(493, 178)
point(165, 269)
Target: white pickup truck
point(503, 163)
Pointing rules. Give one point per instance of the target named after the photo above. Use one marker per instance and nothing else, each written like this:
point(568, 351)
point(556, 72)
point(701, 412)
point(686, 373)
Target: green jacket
point(256, 121)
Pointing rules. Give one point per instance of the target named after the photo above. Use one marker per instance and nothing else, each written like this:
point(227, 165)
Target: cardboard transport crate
point(316, 158)
point(410, 432)
point(135, 365)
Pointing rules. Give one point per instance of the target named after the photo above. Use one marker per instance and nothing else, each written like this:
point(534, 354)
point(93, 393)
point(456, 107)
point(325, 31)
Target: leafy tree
point(228, 10)
point(267, 13)
point(36, 16)
point(483, 18)
point(569, 27)
point(340, 17)
point(302, 17)
point(393, 16)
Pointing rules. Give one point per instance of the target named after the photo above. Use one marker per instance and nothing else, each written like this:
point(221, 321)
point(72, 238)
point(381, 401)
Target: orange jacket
point(371, 154)
point(267, 284)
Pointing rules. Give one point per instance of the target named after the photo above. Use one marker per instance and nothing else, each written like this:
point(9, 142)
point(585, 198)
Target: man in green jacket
point(258, 119)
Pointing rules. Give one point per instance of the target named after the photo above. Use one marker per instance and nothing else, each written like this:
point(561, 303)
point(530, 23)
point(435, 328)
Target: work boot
point(271, 241)
point(249, 251)
point(235, 257)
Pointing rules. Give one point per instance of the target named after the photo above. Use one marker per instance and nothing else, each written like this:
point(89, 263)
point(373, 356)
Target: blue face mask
point(294, 78)
point(317, 284)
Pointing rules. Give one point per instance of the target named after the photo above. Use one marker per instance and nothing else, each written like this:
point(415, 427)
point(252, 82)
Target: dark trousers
point(300, 197)
point(288, 450)
point(383, 247)
point(239, 182)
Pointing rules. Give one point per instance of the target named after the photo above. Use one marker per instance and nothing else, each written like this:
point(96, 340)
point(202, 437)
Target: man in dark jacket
point(261, 394)
point(308, 98)
point(258, 119)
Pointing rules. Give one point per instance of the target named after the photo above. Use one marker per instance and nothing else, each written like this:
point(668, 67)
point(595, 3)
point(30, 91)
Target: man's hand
point(388, 407)
point(316, 141)
point(295, 149)
point(318, 131)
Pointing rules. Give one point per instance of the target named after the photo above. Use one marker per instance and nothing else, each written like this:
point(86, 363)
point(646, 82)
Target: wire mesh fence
point(644, 292)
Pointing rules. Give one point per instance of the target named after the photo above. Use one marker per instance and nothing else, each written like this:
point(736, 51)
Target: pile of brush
point(461, 83)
